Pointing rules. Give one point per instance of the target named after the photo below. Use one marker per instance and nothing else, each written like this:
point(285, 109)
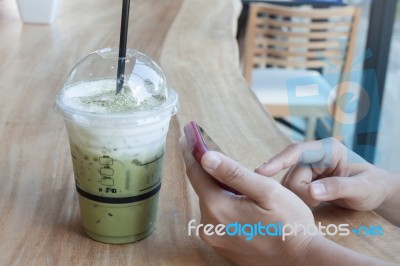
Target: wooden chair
point(289, 44)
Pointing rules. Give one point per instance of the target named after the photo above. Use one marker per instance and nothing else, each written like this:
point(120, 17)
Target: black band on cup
point(123, 200)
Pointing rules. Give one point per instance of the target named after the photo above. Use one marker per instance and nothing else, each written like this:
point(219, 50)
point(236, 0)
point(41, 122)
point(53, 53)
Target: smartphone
point(200, 142)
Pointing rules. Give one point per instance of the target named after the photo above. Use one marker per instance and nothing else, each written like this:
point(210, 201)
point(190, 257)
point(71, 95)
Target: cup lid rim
point(169, 107)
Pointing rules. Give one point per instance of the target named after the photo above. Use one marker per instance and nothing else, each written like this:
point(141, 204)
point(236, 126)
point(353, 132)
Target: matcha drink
point(117, 143)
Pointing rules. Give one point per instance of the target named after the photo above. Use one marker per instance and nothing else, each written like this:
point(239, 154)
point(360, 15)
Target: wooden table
point(195, 45)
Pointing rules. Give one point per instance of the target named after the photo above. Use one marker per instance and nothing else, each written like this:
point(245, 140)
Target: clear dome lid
point(90, 89)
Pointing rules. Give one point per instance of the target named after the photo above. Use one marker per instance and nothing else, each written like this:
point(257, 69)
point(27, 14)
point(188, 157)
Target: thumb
point(238, 177)
point(332, 188)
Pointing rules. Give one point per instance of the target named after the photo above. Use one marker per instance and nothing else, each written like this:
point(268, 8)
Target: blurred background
point(376, 136)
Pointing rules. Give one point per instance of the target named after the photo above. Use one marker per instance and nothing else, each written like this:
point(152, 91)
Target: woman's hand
point(327, 171)
point(264, 200)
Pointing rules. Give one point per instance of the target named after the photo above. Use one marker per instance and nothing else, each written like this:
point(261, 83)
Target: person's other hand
point(264, 200)
point(327, 171)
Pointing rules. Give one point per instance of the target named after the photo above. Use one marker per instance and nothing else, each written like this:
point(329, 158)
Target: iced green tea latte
point(117, 145)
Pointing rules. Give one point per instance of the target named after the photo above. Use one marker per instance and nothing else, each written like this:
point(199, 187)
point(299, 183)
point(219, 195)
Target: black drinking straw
point(122, 45)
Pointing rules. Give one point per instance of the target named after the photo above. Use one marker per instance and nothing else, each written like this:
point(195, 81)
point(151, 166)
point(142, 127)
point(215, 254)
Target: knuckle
point(235, 175)
point(337, 186)
point(292, 148)
point(336, 143)
point(273, 191)
point(213, 210)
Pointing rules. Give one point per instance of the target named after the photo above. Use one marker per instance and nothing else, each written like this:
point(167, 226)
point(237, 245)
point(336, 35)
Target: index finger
point(296, 154)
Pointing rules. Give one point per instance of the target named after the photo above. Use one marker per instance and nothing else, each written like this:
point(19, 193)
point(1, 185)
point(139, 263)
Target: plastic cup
point(117, 148)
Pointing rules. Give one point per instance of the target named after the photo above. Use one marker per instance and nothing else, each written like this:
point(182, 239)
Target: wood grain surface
point(193, 40)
